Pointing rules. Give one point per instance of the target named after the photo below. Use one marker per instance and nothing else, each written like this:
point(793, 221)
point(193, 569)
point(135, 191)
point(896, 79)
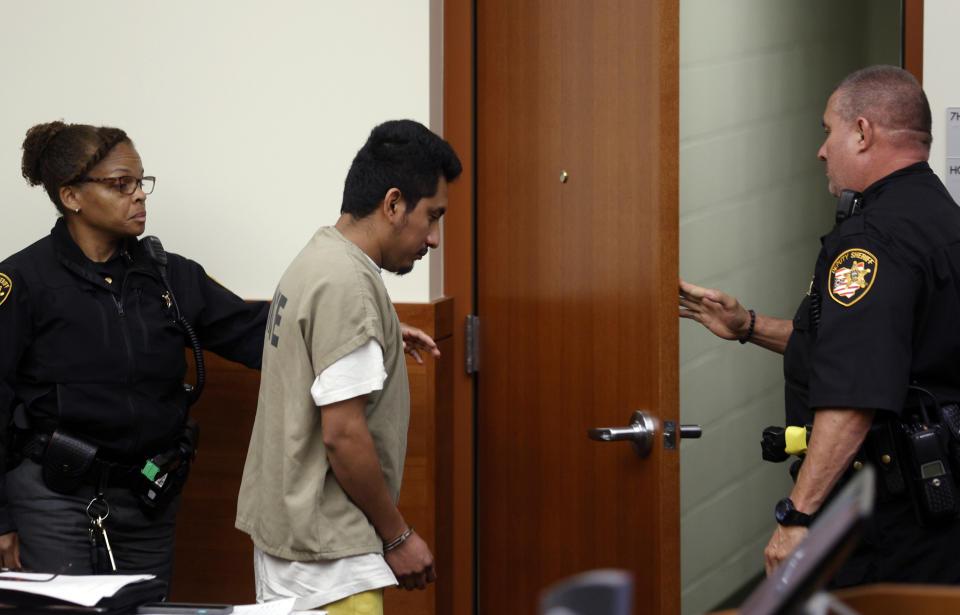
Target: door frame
point(456, 484)
point(912, 44)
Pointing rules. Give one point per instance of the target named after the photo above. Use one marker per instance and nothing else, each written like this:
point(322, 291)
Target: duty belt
point(72, 460)
point(916, 455)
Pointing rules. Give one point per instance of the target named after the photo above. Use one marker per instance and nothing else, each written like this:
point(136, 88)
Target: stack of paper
point(86, 590)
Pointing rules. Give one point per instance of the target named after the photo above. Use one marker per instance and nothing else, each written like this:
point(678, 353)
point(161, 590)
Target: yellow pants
point(366, 603)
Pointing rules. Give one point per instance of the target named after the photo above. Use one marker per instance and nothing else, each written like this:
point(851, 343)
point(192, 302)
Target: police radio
point(848, 204)
point(158, 255)
point(936, 491)
point(928, 446)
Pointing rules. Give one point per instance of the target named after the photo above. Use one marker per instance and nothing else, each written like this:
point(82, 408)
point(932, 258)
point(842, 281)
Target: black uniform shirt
point(94, 349)
point(887, 281)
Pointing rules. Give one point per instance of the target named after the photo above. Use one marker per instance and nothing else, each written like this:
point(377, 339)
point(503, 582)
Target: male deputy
point(323, 470)
point(882, 313)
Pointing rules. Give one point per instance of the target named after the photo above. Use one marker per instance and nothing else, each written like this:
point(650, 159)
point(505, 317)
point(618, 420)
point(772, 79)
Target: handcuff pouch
point(66, 461)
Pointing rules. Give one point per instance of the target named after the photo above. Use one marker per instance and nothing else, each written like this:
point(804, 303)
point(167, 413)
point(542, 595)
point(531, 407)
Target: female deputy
point(93, 408)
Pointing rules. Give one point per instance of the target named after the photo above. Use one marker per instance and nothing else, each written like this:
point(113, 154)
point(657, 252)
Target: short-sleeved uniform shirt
point(883, 310)
point(329, 302)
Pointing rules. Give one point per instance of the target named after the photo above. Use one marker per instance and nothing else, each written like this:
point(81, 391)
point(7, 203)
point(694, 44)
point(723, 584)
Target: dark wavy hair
point(400, 154)
point(57, 154)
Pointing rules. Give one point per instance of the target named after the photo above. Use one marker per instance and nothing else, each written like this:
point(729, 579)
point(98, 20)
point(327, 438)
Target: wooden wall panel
point(418, 495)
point(214, 561)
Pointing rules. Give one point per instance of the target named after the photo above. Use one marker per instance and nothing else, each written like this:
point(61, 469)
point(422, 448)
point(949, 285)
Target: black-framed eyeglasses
point(126, 184)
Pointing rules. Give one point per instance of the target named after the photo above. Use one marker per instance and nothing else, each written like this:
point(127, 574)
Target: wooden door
point(576, 287)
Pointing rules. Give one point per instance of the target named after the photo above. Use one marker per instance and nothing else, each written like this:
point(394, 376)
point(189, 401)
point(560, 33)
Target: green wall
point(754, 79)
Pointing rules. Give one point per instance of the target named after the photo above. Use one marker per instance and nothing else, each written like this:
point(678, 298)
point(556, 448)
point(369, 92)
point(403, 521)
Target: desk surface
point(896, 599)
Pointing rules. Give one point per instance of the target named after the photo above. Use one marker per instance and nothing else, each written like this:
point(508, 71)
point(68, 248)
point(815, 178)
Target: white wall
point(754, 80)
point(941, 78)
point(248, 112)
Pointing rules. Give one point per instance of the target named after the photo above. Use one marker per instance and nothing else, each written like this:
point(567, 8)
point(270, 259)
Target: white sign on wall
point(952, 173)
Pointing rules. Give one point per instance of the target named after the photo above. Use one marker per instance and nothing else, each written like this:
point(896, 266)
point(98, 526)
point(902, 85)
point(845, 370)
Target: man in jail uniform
point(325, 460)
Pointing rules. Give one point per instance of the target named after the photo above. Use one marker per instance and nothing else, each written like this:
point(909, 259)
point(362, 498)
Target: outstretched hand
point(415, 340)
point(719, 312)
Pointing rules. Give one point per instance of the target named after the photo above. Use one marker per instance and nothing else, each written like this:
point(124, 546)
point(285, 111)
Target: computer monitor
point(597, 592)
point(815, 560)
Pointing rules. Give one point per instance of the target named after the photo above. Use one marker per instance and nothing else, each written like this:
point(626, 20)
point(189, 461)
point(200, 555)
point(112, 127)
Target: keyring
point(106, 508)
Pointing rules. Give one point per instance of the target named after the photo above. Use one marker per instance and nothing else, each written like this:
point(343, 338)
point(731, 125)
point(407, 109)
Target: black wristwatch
point(788, 515)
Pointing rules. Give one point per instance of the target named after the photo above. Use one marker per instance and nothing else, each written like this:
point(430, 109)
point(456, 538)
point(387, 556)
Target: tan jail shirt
point(329, 302)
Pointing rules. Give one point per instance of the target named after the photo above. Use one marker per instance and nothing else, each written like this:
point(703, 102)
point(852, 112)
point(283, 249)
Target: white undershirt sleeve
point(357, 373)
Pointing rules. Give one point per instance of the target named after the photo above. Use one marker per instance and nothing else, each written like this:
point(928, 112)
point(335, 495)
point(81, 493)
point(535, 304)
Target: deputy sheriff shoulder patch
point(6, 287)
point(852, 275)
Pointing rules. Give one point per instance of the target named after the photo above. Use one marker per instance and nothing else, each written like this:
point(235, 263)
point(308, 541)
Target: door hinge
point(473, 344)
